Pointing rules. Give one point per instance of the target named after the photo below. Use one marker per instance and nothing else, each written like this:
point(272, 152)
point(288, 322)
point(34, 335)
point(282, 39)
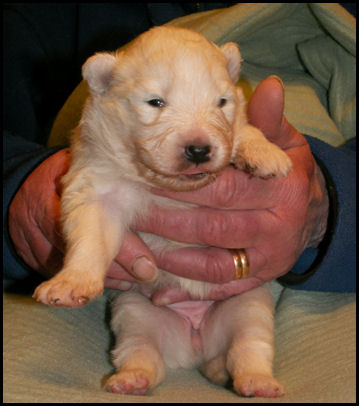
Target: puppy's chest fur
point(134, 200)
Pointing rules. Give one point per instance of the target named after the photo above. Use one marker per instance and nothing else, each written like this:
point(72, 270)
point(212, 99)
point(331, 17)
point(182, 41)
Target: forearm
point(331, 266)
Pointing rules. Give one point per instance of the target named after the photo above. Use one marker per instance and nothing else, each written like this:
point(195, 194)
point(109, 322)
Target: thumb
point(137, 259)
point(265, 111)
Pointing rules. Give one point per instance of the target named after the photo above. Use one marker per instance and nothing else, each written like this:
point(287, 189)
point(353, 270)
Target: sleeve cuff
point(312, 258)
point(332, 266)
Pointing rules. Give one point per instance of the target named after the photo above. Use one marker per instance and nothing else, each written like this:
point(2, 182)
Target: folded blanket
point(311, 47)
point(60, 355)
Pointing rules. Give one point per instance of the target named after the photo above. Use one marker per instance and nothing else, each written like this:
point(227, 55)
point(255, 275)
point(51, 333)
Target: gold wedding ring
point(241, 263)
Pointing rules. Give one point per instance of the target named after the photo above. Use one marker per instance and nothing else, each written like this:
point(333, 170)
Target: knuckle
point(215, 228)
point(225, 190)
point(217, 269)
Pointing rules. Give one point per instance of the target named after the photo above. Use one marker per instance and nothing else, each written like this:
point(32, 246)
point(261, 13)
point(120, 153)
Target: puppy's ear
point(97, 71)
point(231, 51)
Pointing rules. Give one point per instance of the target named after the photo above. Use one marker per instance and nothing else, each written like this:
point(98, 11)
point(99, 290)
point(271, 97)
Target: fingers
point(169, 295)
point(223, 193)
point(134, 263)
point(208, 227)
point(28, 236)
point(118, 283)
point(172, 295)
point(45, 206)
point(40, 254)
point(47, 256)
point(210, 264)
point(233, 189)
point(48, 219)
point(136, 258)
point(23, 248)
point(226, 290)
point(204, 264)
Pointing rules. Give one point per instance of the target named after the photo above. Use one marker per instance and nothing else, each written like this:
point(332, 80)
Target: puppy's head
point(170, 99)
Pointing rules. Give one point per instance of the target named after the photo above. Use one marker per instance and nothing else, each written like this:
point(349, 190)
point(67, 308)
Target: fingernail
point(162, 301)
point(278, 79)
point(124, 285)
point(144, 270)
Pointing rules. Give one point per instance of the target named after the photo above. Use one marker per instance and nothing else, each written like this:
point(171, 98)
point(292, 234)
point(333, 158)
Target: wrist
point(320, 223)
point(313, 257)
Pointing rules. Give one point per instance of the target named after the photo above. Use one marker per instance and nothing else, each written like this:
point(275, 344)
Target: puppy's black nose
point(197, 153)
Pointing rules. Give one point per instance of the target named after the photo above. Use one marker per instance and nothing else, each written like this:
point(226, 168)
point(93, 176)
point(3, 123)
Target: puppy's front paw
point(258, 385)
point(130, 382)
point(68, 288)
point(262, 159)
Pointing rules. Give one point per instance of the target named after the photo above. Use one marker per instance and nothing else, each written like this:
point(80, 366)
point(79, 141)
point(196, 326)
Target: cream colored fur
point(164, 112)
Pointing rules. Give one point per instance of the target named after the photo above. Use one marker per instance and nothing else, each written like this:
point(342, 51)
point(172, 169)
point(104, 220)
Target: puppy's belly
point(193, 312)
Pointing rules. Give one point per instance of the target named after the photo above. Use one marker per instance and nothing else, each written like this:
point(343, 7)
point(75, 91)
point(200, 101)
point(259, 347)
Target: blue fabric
point(337, 271)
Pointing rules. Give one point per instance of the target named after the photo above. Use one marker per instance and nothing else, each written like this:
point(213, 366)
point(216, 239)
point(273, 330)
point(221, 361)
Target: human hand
point(275, 220)
point(34, 217)
point(34, 226)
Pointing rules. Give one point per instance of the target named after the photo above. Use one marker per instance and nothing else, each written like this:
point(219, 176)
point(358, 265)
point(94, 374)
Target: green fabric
point(62, 355)
point(312, 47)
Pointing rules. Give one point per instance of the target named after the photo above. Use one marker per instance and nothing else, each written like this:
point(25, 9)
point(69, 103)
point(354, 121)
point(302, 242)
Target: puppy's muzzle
point(197, 154)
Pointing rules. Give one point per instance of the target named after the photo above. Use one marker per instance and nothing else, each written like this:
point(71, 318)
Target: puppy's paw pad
point(63, 291)
point(258, 385)
point(129, 382)
point(265, 160)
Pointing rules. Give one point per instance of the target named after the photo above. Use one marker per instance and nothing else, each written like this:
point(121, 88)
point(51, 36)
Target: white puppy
point(163, 112)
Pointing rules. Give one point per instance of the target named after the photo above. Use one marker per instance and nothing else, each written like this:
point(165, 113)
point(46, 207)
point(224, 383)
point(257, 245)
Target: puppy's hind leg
point(147, 336)
point(141, 370)
point(238, 342)
point(251, 353)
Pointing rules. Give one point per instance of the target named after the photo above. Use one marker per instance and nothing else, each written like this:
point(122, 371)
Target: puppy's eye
point(222, 102)
point(156, 102)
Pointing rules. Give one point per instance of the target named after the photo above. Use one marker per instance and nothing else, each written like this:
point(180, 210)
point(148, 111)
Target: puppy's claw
point(132, 382)
point(68, 290)
point(82, 300)
point(258, 385)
